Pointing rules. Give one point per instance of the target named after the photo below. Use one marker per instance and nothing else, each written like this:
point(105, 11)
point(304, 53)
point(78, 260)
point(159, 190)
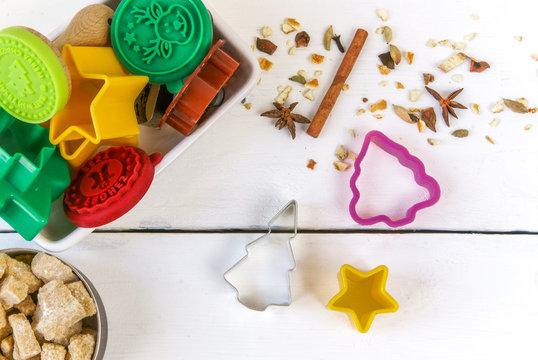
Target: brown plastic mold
point(200, 89)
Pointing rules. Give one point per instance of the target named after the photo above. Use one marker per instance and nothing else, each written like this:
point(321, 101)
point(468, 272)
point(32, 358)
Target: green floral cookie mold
point(162, 39)
point(33, 83)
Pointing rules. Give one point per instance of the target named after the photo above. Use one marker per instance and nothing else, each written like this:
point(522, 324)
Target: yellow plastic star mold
point(363, 295)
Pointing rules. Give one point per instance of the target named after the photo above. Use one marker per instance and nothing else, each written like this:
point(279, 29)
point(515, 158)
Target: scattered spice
point(475, 108)
point(317, 59)
point(498, 107)
point(285, 117)
point(339, 45)
point(445, 43)
point(527, 127)
point(452, 62)
point(387, 31)
point(431, 43)
point(328, 38)
point(253, 47)
point(265, 64)
point(352, 133)
point(447, 104)
point(302, 39)
point(309, 95)
point(399, 85)
point(266, 46)
point(461, 133)
point(459, 46)
point(381, 105)
point(516, 106)
point(341, 153)
point(283, 93)
point(428, 78)
point(495, 122)
point(365, 100)
point(380, 30)
point(421, 126)
point(490, 140)
point(311, 164)
point(434, 142)
point(478, 66)
point(383, 14)
point(404, 114)
point(266, 31)
point(318, 73)
point(383, 69)
point(299, 79)
point(383, 83)
point(457, 78)
point(292, 50)
point(360, 112)
point(533, 110)
point(352, 156)
point(248, 106)
point(429, 118)
point(286, 29)
point(395, 54)
point(345, 87)
point(293, 23)
point(414, 95)
point(378, 116)
point(535, 57)
point(289, 42)
point(469, 37)
point(386, 60)
point(312, 84)
point(341, 166)
point(409, 56)
point(302, 73)
point(518, 38)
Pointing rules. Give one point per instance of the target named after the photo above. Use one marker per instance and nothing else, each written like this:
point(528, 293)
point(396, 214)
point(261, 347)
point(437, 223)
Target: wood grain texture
point(469, 297)
point(243, 170)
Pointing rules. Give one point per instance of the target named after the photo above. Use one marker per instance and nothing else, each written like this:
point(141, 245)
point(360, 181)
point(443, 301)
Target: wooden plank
point(459, 295)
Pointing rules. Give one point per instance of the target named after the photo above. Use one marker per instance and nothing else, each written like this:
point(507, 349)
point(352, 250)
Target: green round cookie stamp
point(34, 85)
point(162, 39)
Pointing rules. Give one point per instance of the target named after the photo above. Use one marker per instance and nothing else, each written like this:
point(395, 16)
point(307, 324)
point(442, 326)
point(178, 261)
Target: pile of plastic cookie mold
point(80, 142)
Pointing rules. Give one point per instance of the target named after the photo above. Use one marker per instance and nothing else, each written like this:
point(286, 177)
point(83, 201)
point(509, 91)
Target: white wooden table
point(465, 273)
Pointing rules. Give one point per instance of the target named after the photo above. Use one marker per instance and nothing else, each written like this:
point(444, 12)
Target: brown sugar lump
point(6, 345)
point(21, 272)
point(25, 342)
point(57, 310)
point(12, 291)
point(63, 338)
point(48, 268)
point(78, 290)
point(51, 351)
point(3, 266)
point(5, 329)
point(27, 306)
point(2, 357)
point(81, 347)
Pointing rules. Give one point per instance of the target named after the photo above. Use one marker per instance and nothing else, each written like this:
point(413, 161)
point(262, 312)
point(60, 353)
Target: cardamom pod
point(388, 34)
point(328, 38)
point(395, 54)
point(516, 106)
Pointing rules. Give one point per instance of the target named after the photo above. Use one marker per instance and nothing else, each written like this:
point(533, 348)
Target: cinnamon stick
point(340, 78)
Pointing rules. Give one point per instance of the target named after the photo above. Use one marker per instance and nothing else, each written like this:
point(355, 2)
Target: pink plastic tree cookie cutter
point(404, 158)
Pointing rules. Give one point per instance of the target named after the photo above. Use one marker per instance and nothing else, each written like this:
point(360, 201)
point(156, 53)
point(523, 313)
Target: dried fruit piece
point(380, 30)
point(298, 78)
point(403, 113)
point(518, 38)
point(431, 43)
point(434, 142)
point(302, 39)
point(395, 54)
point(459, 46)
point(452, 62)
point(318, 73)
point(475, 108)
point(383, 14)
point(457, 78)
point(378, 116)
point(445, 43)
point(429, 118)
point(309, 95)
point(527, 127)
point(490, 140)
point(292, 50)
point(248, 106)
point(293, 23)
point(386, 60)
point(286, 29)
point(498, 107)
point(414, 95)
point(383, 70)
point(317, 59)
point(341, 166)
point(478, 66)
point(381, 105)
point(266, 31)
point(399, 85)
point(312, 84)
point(461, 133)
point(421, 126)
point(283, 93)
point(352, 156)
point(289, 42)
point(469, 37)
point(345, 87)
point(360, 112)
point(409, 56)
point(328, 38)
point(341, 153)
point(534, 56)
point(516, 106)
point(266, 46)
point(382, 83)
point(428, 78)
point(387, 31)
point(265, 64)
point(352, 133)
point(495, 122)
point(365, 100)
point(311, 164)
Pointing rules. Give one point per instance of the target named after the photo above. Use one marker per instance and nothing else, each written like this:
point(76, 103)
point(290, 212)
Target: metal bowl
point(98, 321)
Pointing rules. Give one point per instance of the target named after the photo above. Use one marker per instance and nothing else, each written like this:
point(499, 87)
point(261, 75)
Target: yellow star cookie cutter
point(101, 109)
point(363, 295)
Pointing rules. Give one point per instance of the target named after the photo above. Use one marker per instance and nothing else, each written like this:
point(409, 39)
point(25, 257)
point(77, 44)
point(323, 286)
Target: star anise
point(285, 117)
point(447, 104)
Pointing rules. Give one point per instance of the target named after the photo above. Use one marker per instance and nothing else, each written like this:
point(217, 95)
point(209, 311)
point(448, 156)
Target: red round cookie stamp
point(108, 185)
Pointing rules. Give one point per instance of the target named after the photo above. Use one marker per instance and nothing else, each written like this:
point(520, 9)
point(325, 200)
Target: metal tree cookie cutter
point(404, 158)
point(100, 110)
point(256, 288)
